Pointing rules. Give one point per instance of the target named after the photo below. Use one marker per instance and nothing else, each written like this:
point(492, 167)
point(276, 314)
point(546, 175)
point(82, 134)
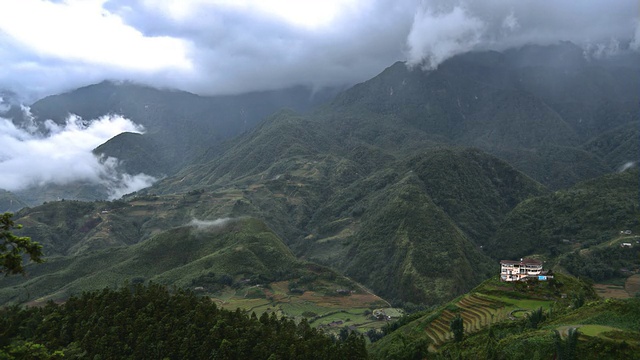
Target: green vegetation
point(603, 262)
point(140, 322)
point(605, 329)
point(587, 214)
point(13, 248)
point(379, 185)
point(456, 326)
point(9, 202)
point(239, 263)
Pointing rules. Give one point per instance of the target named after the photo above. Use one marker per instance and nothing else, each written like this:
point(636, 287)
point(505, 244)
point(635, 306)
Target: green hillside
point(173, 257)
point(519, 105)
point(238, 262)
point(436, 208)
point(405, 190)
point(617, 147)
point(505, 320)
point(137, 153)
point(409, 249)
point(10, 202)
point(587, 214)
point(343, 204)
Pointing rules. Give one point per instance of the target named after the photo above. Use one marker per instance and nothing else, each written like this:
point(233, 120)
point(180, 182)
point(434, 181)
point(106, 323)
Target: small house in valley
point(513, 270)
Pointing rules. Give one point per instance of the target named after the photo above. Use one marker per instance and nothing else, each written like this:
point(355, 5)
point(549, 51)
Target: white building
point(511, 270)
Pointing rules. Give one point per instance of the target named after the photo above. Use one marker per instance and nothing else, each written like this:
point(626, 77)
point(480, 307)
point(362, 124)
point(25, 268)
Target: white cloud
point(436, 36)
point(63, 154)
point(82, 31)
point(635, 44)
point(443, 28)
point(510, 22)
point(210, 224)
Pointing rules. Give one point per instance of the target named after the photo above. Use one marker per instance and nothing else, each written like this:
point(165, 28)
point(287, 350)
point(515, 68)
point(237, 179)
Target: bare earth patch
point(632, 285)
point(608, 291)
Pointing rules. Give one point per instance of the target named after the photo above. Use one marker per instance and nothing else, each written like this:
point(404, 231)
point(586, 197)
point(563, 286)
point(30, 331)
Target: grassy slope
point(398, 223)
point(255, 262)
point(246, 251)
point(174, 257)
point(330, 200)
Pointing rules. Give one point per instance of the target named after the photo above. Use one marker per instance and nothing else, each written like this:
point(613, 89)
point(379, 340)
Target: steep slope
point(136, 153)
point(346, 205)
point(184, 123)
point(618, 147)
point(282, 138)
point(397, 223)
point(588, 213)
point(409, 249)
point(331, 200)
point(534, 106)
point(475, 189)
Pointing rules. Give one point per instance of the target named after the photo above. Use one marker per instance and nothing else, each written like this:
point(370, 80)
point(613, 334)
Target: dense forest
point(153, 322)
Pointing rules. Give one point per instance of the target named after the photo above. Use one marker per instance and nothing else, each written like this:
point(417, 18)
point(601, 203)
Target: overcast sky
point(231, 46)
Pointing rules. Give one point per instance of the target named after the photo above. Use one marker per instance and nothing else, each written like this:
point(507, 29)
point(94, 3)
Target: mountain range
point(411, 185)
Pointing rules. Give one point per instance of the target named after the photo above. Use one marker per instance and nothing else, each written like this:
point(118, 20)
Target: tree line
point(151, 321)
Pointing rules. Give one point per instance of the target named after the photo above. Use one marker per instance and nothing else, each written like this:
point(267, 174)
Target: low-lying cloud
point(210, 224)
point(444, 28)
point(34, 155)
point(435, 37)
point(626, 166)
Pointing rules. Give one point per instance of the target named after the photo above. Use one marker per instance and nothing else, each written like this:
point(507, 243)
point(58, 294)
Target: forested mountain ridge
point(532, 106)
point(590, 213)
point(328, 204)
point(414, 184)
point(182, 124)
point(178, 126)
point(325, 180)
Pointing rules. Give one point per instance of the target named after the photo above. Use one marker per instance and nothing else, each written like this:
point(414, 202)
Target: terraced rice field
point(478, 311)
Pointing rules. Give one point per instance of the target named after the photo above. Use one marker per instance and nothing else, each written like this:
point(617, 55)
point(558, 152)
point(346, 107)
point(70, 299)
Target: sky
point(231, 46)
point(212, 47)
